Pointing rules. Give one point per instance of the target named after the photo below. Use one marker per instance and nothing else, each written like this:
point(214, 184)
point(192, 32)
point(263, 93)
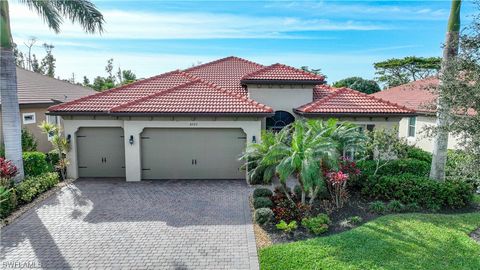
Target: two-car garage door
point(166, 153)
point(192, 153)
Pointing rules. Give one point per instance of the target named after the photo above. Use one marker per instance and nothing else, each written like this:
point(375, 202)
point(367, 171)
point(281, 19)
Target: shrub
point(406, 165)
point(377, 207)
point(287, 227)
point(32, 186)
point(337, 186)
point(409, 188)
point(412, 207)
point(262, 202)
point(7, 169)
point(29, 142)
point(297, 190)
point(52, 159)
point(286, 210)
point(35, 163)
point(8, 201)
point(263, 216)
point(316, 225)
point(355, 220)
point(419, 154)
point(262, 192)
point(395, 206)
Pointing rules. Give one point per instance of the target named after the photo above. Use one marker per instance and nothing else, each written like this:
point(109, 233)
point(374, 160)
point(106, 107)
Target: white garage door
point(192, 153)
point(101, 152)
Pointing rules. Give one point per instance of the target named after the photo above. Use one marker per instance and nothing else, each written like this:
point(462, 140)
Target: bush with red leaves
point(7, 169)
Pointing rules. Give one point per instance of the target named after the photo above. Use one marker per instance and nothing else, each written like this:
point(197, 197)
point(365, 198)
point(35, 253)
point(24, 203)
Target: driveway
point(109, 223)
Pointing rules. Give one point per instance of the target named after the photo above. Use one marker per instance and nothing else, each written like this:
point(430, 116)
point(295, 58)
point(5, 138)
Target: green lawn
point(408, 241)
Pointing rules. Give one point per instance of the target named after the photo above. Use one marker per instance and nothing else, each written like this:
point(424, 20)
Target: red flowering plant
point(7, 169)
point(337, 187)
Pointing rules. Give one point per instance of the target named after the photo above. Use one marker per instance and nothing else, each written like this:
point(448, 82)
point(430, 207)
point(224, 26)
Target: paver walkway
point(109, 223)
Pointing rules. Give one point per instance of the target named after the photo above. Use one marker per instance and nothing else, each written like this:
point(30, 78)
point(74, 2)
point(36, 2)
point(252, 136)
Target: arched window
point(279, 120)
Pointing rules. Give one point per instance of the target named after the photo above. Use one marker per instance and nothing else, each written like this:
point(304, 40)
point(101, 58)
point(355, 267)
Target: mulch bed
point(356, 206)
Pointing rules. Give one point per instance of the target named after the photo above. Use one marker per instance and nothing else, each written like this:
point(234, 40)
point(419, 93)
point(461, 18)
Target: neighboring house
point(36, 93)
point(418, 96)
point(195, 123)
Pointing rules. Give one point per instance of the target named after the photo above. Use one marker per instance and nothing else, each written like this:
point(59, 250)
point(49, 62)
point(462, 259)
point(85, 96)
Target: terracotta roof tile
point(344, 101)
point(279, 72)
point(193, 97)
point(416, 95)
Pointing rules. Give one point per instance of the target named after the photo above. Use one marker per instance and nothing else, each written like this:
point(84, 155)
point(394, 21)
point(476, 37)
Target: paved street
point(109, 223)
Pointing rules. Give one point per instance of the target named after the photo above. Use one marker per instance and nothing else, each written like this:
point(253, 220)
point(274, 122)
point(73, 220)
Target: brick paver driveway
point(109, 223)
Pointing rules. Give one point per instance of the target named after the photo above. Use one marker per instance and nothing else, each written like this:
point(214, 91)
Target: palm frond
point(47, 11)
point(82, 11)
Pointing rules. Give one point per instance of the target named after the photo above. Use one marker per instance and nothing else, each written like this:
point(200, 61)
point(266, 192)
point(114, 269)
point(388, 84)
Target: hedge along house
point(195, 123)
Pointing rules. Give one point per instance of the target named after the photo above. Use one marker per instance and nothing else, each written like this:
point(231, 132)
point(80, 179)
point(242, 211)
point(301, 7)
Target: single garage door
point(101, 152)
point(192, 153)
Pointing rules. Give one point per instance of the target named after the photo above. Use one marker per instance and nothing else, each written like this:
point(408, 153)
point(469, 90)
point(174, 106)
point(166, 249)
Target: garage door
point(101, 152)
point(192, 153)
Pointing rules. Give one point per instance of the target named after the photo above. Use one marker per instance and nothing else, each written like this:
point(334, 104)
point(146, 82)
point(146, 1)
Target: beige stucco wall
point(421, 138)
point(134, 127)
point(281, 97)
point(42, 140)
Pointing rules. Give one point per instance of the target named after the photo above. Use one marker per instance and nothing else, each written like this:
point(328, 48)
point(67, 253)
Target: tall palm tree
point(53, 12)
point(450, 51)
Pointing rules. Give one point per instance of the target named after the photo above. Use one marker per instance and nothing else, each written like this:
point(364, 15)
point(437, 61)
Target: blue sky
point(343, 38)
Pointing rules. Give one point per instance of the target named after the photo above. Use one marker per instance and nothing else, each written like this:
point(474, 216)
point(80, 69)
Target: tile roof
point(279, 72)
point(226, 72)
point(347, 101)
point(416, 95)
point(35, 88)
point(216, 87)
point(196, 96)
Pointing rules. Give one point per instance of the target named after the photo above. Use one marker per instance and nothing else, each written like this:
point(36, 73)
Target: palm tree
point(258, 170)
point(450, 51)
point(52, 12)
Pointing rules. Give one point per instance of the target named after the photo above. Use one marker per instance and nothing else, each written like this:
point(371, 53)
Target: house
point(37, 92)
point(195, 123)
point(418, 96)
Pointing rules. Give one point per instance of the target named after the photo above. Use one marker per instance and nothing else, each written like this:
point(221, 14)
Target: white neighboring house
point(417, 96)
point(195, 123)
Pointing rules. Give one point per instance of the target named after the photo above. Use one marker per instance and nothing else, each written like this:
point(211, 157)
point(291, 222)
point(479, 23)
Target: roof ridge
point(153, 95)
point(228, 92)
point(76, 101)
point(55, 79)
point(222, 60)
point(266, 68)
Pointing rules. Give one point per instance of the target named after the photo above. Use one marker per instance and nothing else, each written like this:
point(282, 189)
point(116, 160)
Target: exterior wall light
point(69, 138)
point(254, 139)
point(131, 140)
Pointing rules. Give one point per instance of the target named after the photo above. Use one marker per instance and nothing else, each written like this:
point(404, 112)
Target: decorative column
point(133, 166)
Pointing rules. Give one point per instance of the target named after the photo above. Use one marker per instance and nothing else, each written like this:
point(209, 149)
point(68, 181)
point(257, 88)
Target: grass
point(408, 241)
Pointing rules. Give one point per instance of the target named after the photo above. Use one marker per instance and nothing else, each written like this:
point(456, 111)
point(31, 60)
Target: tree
point(35, 65)
point(384, 145)
point(52, 12)
point(109, 70)
point(19, 56)
point(29, 44)
point(359, 84)
point(86, 82)
point(128, 76)
point(47, 66)
point(398, 71)
point(450, 52)
point(316, 71)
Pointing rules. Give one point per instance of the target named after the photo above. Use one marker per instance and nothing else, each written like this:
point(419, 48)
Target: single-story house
point(418, 96)
point(37, 92)
point(195, 123)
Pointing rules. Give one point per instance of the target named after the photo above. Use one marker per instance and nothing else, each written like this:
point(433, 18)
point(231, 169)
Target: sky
point(342, 38)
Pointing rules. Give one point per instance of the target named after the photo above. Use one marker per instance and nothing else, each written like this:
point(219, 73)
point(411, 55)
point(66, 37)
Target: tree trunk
point(9, 100)
point(450, 51)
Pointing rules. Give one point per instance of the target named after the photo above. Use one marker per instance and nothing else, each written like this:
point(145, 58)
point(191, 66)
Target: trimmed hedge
point(262, 192)
point(35, 163)
point(32, 186)
point(8, 201)
point(263, 216)
point(409, 188)
point(262, 202)
point(419, 154)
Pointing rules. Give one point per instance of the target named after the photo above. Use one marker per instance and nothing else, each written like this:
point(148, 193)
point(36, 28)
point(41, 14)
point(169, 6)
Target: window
point(279, 120)
point(412, 122)
point(28, 118)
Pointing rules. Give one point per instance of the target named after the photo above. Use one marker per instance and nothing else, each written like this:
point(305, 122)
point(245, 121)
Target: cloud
point(122, 24)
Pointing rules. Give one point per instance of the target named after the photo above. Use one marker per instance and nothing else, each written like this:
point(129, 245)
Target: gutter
point(308, 114)
point(130, 114)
